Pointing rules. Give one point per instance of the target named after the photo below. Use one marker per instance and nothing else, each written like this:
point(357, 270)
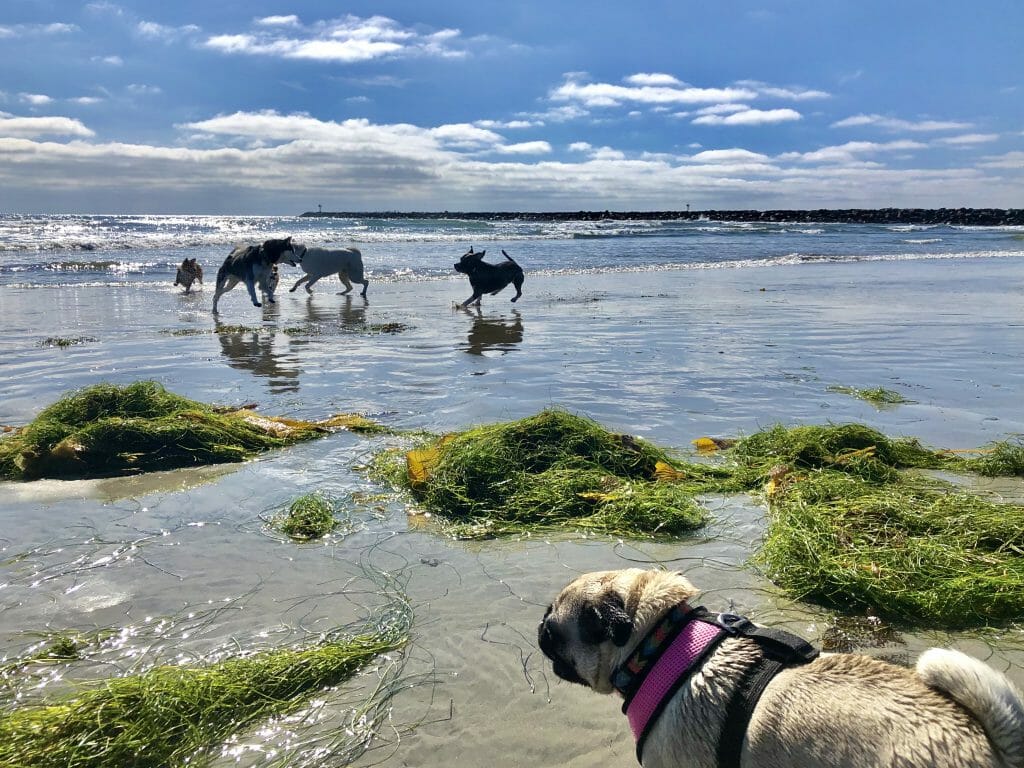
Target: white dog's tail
point(987, 694)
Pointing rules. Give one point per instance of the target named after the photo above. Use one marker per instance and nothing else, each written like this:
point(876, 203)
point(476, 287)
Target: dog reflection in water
point(493, 333)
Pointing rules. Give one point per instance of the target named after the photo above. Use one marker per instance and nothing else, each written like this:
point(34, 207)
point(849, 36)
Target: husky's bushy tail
point(985, 693)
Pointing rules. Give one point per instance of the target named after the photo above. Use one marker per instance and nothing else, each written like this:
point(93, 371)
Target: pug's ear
point(606, 620)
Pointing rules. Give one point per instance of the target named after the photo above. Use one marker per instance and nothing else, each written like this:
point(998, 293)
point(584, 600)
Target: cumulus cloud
point(508, 124)
point(35, 99)
point(154, 31)
point(30, 127)
point(728, 156)
point(525, 148)
point(30, 30)
point(789, 94)
point(268, 161)
point(749, 117)
point(852, 151)
point(895, 124)
point(968, 139)
point(610, 95)
point(1010, 161)
point(655, 79)
point(341, 41)
point(278, 21)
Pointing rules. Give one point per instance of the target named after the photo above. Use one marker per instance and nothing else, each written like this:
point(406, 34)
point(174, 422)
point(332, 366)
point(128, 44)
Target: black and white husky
point(253, 264)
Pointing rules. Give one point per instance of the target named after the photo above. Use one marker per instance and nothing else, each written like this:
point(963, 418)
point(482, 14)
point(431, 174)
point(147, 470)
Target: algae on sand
point(107, 430)
point(178, 715)
point(551, 470)
point(917, 552)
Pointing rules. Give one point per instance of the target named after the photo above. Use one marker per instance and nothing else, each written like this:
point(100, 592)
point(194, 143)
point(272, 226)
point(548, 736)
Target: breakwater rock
point(982, 217)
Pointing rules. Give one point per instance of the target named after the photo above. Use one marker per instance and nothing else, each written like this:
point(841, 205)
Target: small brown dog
point(697, 694)
point(188, 273)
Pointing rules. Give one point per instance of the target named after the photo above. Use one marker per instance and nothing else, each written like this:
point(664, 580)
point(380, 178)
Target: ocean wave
point(922, 240)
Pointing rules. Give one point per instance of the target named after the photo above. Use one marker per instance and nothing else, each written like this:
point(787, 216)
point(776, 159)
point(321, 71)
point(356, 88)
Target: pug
point(690, 682)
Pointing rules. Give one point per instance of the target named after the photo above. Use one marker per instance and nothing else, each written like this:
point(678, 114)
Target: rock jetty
point(981, 217)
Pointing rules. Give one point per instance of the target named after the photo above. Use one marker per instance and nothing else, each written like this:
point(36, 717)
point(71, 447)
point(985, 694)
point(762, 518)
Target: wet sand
point(667, 355)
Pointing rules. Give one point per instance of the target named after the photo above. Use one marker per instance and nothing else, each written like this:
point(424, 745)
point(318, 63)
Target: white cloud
point(749, 117)
point(508, 124)
point(1011, 160)
point(790, 94)
point(655, 79)
point(113, 61)
point(851, 151)
point(895, 124)
point(86, 101)
point(342, 41)
point(29, 30)
point(721, 109)
point(728, 156)
point(609, 95)
point(968, 139)
point(30, 127)
point(154, 31)
point(35, 99)
point(272, 162)
point(279, 21)
point(526, 148)
point(139, 89)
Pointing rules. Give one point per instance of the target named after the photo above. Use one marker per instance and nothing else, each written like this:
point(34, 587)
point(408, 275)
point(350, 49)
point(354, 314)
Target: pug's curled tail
point(987, 694)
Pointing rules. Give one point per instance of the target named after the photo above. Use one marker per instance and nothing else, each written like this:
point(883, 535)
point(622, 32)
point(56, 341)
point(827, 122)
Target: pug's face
point(595, 622)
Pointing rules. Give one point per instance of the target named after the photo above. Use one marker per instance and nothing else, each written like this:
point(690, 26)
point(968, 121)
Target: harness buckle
point(731, 622)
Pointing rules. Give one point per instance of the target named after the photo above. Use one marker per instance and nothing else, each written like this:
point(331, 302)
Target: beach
point(658, 349)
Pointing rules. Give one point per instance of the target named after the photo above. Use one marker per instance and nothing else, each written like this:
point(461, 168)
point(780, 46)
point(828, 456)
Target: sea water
point(666, 330)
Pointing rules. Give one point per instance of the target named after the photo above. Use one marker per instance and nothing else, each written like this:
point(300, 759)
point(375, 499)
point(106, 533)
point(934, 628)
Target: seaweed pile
point(852, 521)
point(108, 430)
point(553, 470)
point(849, 528)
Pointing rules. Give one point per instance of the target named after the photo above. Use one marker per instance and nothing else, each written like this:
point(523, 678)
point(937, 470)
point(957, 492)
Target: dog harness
point(676, 646)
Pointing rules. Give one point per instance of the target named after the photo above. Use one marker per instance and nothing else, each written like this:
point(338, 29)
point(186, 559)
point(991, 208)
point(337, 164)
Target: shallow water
point(668, 355)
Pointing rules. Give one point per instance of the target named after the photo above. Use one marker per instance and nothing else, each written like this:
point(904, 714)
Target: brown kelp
point(552, 470)
point(107, 430)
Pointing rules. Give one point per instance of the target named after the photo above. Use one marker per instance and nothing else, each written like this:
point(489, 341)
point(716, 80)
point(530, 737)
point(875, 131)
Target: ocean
point(666, 330)
point(65, 249)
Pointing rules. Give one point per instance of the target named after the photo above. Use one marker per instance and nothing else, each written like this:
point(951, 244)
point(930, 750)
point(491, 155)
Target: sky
point(279, 107)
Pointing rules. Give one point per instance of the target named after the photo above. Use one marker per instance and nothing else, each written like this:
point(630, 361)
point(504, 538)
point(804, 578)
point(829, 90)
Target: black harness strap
point(779, 649)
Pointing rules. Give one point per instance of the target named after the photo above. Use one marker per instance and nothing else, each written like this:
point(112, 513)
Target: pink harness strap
point(675, 662)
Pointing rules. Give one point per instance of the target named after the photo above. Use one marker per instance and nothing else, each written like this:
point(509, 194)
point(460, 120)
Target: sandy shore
point(668, 355)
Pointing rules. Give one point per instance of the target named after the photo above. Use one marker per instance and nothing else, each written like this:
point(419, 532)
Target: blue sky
point(277, 107)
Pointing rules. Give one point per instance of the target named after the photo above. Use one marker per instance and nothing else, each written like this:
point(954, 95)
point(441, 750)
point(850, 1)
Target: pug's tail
point(509, 258)
point(985, 693)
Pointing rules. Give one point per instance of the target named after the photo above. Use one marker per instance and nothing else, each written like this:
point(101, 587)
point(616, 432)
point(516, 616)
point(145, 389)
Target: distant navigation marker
point(319, 208)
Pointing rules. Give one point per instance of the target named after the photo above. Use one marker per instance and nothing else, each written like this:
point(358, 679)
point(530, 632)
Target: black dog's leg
point(518, 283)
point(250, 283)
point(475, 297)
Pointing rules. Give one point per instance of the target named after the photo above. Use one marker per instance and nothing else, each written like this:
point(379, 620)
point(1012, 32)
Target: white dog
point(346, 263)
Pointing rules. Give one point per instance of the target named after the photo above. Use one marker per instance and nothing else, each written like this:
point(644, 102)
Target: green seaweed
point(107, 430)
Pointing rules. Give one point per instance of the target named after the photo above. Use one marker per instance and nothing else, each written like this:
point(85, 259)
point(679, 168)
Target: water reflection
point(486, 334)
point(351, 315)
point(254, 350)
